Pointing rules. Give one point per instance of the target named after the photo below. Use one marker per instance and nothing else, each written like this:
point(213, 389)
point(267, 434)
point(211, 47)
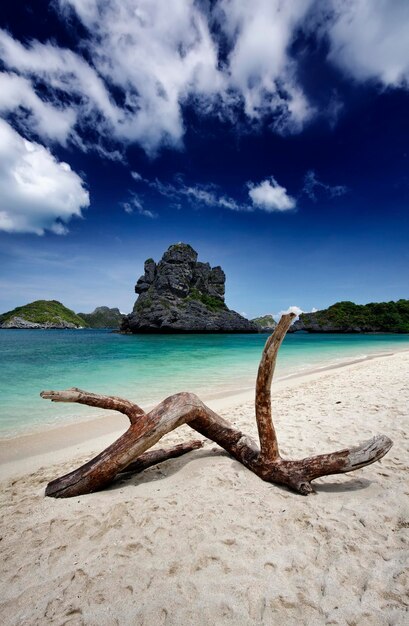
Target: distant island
point(51, 314)
point(183, 295)
point(347, 317)
point(266, 323)
point(102, 317)
point(46, 314)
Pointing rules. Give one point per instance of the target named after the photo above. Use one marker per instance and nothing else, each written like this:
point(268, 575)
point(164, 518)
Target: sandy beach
point(200, 540)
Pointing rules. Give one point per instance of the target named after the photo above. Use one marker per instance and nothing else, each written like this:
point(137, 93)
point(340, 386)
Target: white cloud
point(127, 207)
point(136, 176)
point(312, 185)
point(67, 77)
point(270, 196)
point(37, 192)
point(134, 205)
point(59, 229)
point(292, 309)
point(48, 121)
point(142, 61)
point(260, 68)
point(196, 195)
point(267, 196)
point(61, 69)
point(200, 195)
point(229, 203)
point(159, 55)
point(369, 40)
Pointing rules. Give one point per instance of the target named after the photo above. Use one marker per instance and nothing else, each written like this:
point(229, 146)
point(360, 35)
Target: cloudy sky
point(271, 135)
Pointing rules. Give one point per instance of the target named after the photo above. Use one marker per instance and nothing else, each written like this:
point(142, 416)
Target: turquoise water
point(147, 368)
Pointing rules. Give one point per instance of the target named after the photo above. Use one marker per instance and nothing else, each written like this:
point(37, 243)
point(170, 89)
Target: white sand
point(200, 540)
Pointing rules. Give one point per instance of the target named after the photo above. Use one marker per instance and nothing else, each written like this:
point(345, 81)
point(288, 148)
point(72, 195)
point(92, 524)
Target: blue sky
point(271, 136)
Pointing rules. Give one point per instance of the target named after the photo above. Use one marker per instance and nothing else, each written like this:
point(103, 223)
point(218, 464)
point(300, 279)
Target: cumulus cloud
point(270, 196)
point(37, 192)
point(312, 186)
point(292, 309)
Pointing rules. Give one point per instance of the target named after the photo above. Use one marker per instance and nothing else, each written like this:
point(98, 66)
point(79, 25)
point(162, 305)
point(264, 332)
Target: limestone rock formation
point(183, 295)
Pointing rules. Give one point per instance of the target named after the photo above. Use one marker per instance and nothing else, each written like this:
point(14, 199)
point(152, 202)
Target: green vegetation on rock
point(47, 313)
point(265, 321)
point(210, 302)
point(102, 317)
point(389, 317)
point(143, 303)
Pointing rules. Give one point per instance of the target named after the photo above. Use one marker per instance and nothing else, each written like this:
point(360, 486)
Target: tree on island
point(129, 452)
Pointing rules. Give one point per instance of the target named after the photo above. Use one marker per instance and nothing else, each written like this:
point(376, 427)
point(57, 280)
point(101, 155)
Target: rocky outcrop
point(103, 317)
point(265, 323)
point(183, 295)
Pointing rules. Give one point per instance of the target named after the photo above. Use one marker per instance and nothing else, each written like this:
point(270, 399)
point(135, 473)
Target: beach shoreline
point(147, 369)
point(236, 549)
point(17, 451)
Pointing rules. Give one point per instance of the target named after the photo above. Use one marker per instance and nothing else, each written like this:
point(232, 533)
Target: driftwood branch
point(162, 454)
point(129, 452)
point(131, 410)
point(266, 432)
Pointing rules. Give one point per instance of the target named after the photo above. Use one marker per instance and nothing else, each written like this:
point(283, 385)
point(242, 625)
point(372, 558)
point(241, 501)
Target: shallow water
point(147, 368)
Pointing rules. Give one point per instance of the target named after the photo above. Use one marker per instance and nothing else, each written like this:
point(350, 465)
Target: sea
point(148, 368)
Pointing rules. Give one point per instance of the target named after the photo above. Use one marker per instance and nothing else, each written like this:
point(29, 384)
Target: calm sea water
point(147, 368)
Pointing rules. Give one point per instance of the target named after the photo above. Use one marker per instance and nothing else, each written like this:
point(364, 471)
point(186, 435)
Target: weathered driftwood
point(128, 453)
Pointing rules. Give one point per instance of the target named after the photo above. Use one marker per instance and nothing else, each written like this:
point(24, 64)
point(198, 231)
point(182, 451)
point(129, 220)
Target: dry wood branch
point(131, 410)
point(128, 453)
point(162, 454)
point(266, 432)
point(140, 436)
point(298, 474)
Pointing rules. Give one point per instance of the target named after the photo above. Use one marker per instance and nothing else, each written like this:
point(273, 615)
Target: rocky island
point(348, 317)
point(102, 317)
point(265, 323)
point(41, 314)
point(183, 295)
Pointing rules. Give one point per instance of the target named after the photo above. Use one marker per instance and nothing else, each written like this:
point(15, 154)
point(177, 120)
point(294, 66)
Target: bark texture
point(129, 452)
